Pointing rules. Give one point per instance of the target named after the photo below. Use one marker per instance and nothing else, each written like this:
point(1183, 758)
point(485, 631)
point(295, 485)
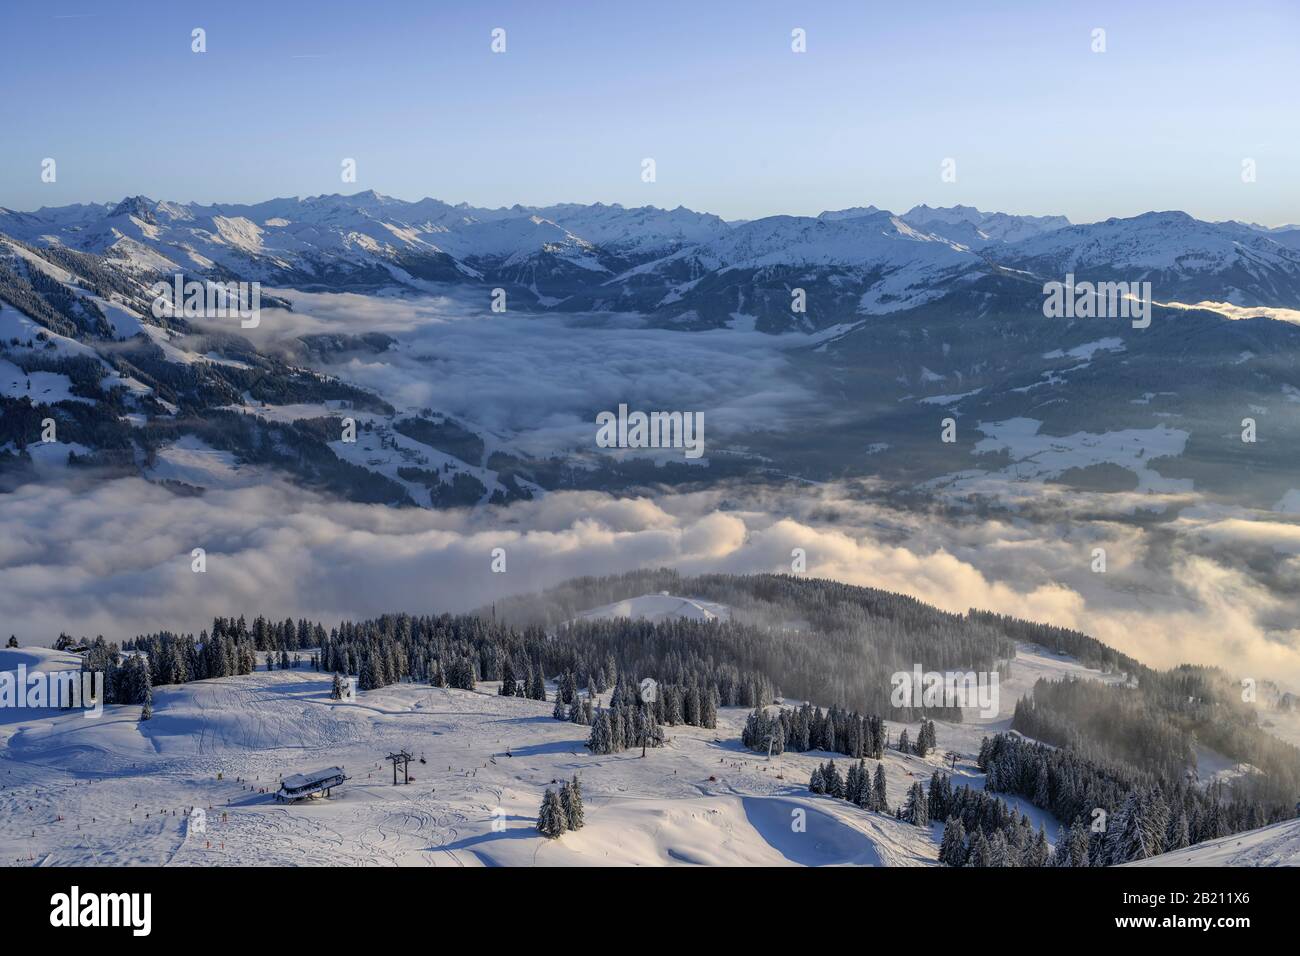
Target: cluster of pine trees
point(1117, 723)
point(533, 686)
point(228, 650)
point(562, 811)
point(686, 658)
point(925, 739)
point(695, 705)
point(859, 786)
point(819, 640)
point(580, 711)
point(284, 661)
point(627, 722)
point(1016, 847)
point(444, 650)
point(1118, 814)
point(1155, 725)
point(1137, 818)
point(166, 658)
point(980, 829)
point(569, 702)
point(810, 728)
point(834, 730)
point(127, 679)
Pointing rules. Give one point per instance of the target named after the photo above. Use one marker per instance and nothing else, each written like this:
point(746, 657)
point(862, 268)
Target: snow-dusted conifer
point(916, 811)
point(601, 740)
point(1039, 853)
point(1079, 854)
point(551, 819)
point(571, 800)
point(834, 782)
point(1178, 837)
point(817, 783)
point(952, 851)
point(879, 795)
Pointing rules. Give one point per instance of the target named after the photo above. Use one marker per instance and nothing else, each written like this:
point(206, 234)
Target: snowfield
point(195, 462)
point(48, 387)
point(1038, 458)
point(114, 790)
point(1276, 845)
point(659, 607)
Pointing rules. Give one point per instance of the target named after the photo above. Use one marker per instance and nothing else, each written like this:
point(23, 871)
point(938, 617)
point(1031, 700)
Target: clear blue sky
point(737, 123)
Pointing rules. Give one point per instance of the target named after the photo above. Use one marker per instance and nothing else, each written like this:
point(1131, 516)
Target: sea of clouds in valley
point(540, 378)
point(113, 558)
point(1187, 579)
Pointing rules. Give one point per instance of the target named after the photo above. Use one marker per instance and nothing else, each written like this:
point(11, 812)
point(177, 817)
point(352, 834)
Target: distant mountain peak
point(957, 210)
point(855, 212)
point(141, 207)
point(973, 227)
point(1157, 216)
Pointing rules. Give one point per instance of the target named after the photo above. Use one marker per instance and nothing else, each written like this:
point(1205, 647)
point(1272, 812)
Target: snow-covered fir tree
point(879, 794)
point(551, 819)
point(817, 783)
point(916, 810)
point(979, 853)
point(601, 739)
point(952, 850)
point(571, 801)
point(834, 782)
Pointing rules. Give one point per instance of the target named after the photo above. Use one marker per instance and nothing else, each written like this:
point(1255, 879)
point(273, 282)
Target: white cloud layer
point(114, 559)
point(540, 379)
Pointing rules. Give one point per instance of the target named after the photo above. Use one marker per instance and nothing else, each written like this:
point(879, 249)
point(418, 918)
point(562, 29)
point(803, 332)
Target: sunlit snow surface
point(115, 790)
point(660, 607)
point(1276, 845)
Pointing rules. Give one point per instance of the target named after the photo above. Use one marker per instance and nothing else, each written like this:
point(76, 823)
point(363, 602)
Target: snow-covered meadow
point(121, 791)
point(116, 790)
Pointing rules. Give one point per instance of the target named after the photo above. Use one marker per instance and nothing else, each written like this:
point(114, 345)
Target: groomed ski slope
point(117, 791)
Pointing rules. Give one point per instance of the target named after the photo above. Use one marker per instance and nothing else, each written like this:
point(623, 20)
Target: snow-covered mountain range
point(687, 268)
point(932, 313)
